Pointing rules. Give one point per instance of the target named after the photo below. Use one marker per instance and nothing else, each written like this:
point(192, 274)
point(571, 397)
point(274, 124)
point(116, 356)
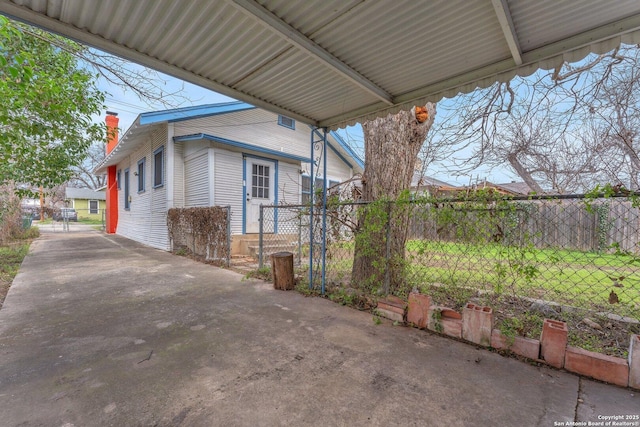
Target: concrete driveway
point(100, 331)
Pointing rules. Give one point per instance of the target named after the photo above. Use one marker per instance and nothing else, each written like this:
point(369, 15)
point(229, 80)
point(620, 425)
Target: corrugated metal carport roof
point(334, 62)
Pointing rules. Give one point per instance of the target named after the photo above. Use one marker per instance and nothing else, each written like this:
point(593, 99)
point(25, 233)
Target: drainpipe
point(112, 184)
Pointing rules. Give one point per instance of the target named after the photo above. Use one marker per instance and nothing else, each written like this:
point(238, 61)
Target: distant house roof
point(422, 180)
point(516, 187)
point(419, 181)
point(84, 193)
point(510, 188)
point(142, 126)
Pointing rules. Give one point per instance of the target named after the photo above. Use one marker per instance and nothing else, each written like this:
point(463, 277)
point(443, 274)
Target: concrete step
point(272, 248)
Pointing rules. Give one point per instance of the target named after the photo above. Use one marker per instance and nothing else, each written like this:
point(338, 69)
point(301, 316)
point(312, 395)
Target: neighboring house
point(89, 204)
point(421, 184)
point(516, 188)
point(508, 189)
point(230, 154)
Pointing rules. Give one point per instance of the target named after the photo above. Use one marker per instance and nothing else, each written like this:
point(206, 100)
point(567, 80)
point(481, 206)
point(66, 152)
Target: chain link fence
point(574, 259)
point(284, 228)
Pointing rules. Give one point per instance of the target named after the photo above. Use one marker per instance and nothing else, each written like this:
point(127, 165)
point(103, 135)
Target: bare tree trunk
point(392, 145)
point(524, 173)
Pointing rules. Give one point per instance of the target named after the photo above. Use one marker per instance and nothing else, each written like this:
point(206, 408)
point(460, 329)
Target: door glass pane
point(260, 181)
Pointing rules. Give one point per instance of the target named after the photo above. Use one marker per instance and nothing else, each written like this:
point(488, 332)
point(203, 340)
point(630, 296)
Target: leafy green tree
point(48, 100)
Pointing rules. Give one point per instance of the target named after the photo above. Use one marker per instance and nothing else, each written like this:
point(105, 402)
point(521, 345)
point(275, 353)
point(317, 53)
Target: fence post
point(260, 236)
point(299, 237)
point(387, 273)
point(228, 235)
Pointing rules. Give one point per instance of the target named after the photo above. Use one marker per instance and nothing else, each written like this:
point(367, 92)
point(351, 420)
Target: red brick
point(477, 324)
point(521, 346)
point(448, 322)
point(452, 327)
point(450, 313)
point(391, 315)
point(392, 303)
point(634, 362)
point(418, 312)
point(553, 342)
point(614, 370)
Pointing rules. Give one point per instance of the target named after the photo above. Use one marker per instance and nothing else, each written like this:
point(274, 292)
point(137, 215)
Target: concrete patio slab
point(98, 330)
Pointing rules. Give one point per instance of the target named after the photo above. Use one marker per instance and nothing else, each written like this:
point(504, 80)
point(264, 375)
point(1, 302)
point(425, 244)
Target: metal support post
point(228, 235)
point(319, 144)
point(260, 237)
point(324, 209)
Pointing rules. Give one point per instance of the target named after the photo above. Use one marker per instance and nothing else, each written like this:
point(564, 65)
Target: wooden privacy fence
point(546, 223)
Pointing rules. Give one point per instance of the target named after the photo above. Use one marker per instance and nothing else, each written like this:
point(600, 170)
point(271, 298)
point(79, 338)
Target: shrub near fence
point(570, 259)
point(204, 231)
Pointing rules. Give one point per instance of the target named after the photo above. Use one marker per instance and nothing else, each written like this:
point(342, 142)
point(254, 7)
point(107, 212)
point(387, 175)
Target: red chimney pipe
point(111, 213)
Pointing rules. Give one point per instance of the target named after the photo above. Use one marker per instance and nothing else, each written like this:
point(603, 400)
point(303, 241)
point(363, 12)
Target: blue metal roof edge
point(348, 149)
point(194, 112)
point(242, 145)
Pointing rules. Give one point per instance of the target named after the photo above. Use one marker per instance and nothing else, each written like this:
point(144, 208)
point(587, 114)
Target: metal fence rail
point(569, 258)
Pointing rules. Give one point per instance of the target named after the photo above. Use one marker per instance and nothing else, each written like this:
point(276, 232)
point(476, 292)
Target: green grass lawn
point(577, 278)
point(11, 257)
point(90, 221)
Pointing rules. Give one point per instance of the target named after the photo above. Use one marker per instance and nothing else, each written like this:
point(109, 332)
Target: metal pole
point(228, 235)
point(260, 221)
point(311, 210)
point(299, 236)
point(324, 209)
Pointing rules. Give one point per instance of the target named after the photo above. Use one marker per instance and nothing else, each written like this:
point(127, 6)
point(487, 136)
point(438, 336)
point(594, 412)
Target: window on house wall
point(127, 196)
point(140, 174)
point(119, 178)
point(286, 122)
point(158, 167)
point(93, 206)
point(306, 188)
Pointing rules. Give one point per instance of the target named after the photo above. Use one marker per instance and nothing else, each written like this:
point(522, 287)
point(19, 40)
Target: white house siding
point(228, 185)
point(337, 169)
point(197, 179)
point(158, 236)
point(257, 127)
point(146, 220)
point(178, 175)
point(288, 183)
point(260, 128)
point(288, 194)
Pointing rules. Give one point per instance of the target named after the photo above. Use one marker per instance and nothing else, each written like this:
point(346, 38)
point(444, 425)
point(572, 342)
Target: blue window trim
point(159, 150)
point(141, 179)
point(127, 190)
point(292, 126)
point(119, 178)
point(315, 183)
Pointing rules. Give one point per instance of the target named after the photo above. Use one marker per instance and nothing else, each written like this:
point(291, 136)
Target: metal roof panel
point(334, 62)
